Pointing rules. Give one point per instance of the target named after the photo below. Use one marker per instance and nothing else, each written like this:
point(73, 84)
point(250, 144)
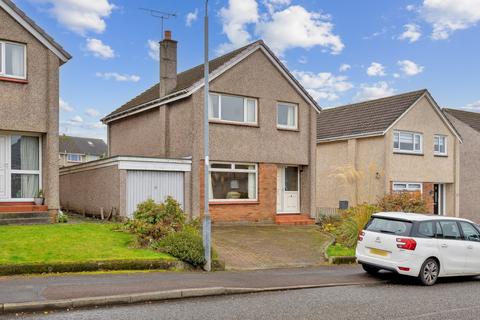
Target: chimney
point(168, 64)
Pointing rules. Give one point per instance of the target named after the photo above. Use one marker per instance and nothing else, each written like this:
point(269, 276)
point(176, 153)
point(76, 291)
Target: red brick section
point(263, 210)
point(23, 208)
point(294, 219)
point(428, 195)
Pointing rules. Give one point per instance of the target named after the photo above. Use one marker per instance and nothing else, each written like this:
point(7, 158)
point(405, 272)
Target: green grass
point(56, 243)
point(337, 250)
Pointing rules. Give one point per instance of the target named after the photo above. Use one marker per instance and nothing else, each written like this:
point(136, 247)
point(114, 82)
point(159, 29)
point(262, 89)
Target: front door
point(3, 167)
point(439, 199)
point(288, 189)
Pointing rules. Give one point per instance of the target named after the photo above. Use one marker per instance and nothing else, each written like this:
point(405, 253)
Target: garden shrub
point(403, 202)
point(354, 221)
point(62, 217)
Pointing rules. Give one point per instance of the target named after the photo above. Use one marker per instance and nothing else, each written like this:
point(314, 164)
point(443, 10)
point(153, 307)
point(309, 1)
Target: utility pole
point(207, 223)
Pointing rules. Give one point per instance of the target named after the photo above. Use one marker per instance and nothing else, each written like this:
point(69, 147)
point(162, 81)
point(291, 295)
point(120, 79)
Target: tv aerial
point(160, 15)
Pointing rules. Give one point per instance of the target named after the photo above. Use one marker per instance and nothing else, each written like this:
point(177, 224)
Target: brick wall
point(263, 210)
point(428, 195)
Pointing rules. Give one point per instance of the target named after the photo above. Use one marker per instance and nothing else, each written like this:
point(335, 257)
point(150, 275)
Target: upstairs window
point(72, 157)
point(408, 142)
point(440, 145)
point(232, 108)
point(12, 60)
point(287, 116)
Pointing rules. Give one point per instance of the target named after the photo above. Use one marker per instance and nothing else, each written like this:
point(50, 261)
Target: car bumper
point(393, 266)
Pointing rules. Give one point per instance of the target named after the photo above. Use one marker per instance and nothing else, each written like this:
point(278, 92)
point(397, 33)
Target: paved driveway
point(266, 247)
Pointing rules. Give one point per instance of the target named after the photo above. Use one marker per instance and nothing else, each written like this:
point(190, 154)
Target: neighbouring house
point(29, 106)
point(468, 125)
point(399, 143)
point(75, 150)
point(262, 133)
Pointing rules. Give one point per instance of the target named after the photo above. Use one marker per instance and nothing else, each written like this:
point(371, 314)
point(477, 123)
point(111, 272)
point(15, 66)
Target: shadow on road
point(397, 279)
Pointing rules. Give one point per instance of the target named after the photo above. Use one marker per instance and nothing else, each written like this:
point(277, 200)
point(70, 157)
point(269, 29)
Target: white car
point(422, 246)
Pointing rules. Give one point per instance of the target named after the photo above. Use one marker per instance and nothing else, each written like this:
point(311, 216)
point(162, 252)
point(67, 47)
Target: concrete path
point(266, 247)
point(41, 288)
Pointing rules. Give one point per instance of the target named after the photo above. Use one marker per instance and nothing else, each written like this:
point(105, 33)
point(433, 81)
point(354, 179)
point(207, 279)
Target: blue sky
point(341, 50)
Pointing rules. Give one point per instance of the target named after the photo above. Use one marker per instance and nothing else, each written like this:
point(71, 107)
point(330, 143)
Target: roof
point(415, 216)
point(472, 119)
point(34, 29)
point(364, 118)
point(187, 80)
point(79, 145)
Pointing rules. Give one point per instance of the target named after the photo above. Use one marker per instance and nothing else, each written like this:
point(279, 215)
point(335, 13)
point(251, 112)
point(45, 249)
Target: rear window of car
point(389, 226)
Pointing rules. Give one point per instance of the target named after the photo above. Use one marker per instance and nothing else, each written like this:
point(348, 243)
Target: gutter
point(352, 136)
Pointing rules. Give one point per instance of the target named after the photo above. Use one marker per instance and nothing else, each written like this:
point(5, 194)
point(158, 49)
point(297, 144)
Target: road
point(397, 299)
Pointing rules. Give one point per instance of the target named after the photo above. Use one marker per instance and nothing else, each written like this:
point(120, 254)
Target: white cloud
point(303, 60)
point(191, 18)
point(297, 27)
point(80, 16)
point(117, 76)
point(410, 68)
point(448, 16)
point(235, 18)
point(374, 91)
point(75, 121)
point(345, 67)
point(273, 5)
point(376, 70)
point(96, 125)
point(154, 50)
point(323, 85)
point(411, 7)
point(99, 49)
point(92, 112)
point(475, 106)
point(65, 106)
point(396, 75)
point(412, 33)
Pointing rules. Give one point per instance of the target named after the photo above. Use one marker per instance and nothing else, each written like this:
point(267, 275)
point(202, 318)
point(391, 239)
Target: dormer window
point(13, 60)
point(407, 142)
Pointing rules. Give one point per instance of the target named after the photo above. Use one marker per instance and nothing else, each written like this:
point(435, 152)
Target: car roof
point(415, 216)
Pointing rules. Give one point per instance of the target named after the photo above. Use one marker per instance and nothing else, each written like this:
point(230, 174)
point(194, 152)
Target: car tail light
point(360, 235)
point(403, 269)
point(406, 243)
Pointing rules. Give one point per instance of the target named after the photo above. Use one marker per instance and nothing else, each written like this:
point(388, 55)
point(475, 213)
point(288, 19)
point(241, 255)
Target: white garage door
point(156, 185)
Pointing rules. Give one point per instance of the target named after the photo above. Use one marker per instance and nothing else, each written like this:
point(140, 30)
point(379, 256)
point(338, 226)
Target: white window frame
point(245, 112)
point(233, 169)
point(74, 154)
point(444, 137)
point(399, 150)
point(3, 60)
point(295, 106)
point(408, 188)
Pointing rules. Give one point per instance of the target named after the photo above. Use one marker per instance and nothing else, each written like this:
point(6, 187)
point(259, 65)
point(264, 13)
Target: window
point(390, 226)
point(407, 186)
point(12, 60)
point(287, 116)
point(233, 181)
point(470, 232)
point(440, 145)
point(232, 108)
point(408, 142)
point(71, 157)
point(25, 166)
point(450, 230)
point(425, 229)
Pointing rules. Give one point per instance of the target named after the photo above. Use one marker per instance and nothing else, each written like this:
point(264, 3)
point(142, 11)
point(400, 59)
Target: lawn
point(84, 242)
point(338, 250)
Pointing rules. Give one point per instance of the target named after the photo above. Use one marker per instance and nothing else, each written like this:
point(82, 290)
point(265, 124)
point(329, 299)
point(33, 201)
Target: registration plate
point(379, 252)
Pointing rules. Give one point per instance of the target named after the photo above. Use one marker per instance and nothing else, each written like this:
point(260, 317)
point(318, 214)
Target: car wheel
point(429, 272)
point(370, 269)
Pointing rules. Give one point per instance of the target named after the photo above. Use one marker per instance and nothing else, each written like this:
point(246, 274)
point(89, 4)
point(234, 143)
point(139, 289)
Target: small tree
point(403, 202)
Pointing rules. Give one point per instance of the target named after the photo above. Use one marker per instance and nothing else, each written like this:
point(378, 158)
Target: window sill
point(237, 202)
point(288, 129)
point(409, 153)
point(15, 80)
point(242, 124)
point(441, 155)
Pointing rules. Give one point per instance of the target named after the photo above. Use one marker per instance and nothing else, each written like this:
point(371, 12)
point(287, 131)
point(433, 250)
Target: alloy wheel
point(430, 272)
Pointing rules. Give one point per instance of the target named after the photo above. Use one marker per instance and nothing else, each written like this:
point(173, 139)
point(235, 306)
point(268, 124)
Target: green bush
point(354, 221)
point(403, 202)
point(186, 245)
point(62, 217)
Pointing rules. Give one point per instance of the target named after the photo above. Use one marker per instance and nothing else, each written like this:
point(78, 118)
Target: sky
point(342, 51)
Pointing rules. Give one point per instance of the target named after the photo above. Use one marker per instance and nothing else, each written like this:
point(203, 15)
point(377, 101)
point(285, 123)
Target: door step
point(25, 221)
point(23, 208)
point(23, 218)
point(294, 219)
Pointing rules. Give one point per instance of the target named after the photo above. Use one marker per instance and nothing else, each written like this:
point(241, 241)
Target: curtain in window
point(251, 185)
point(291, 116)
point(29, 185)
point(210, 188)
point(29, 161)
point(14, 56)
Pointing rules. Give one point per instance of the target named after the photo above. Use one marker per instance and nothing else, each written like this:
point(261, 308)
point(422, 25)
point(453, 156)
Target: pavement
point(399, 298)
point(267, 247)
point(65, 291)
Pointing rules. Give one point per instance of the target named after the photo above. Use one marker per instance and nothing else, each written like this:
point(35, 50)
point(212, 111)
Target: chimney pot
point(168, 35)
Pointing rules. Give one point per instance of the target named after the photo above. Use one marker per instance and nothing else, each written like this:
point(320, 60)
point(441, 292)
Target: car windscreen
point(389, 226)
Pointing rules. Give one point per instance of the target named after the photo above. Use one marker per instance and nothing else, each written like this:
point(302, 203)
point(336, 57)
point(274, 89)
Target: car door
point(472, 242)
point(451, 247)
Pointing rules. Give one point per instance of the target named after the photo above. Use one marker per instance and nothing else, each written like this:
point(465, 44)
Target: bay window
point(233, 181)
point(408, 142)
point(12, 60)
point(25, 166)
point(440, 145)
point(232, 108)
point(287, 116)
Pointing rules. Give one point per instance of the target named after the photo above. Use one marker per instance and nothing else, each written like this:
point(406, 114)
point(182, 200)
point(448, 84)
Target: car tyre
point(370, 269)
point(429, 272)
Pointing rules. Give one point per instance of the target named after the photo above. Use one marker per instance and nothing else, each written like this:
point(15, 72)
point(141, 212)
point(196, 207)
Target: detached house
point(29, 82)
point(468, 124)
point(399, 143)
point(74, 150)
point(262, 133)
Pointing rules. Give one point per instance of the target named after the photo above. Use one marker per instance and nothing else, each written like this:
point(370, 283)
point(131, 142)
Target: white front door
point(288, 189)
point(3, 167)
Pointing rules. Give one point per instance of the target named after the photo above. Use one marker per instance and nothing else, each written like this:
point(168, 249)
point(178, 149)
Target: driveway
point(267, 247)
